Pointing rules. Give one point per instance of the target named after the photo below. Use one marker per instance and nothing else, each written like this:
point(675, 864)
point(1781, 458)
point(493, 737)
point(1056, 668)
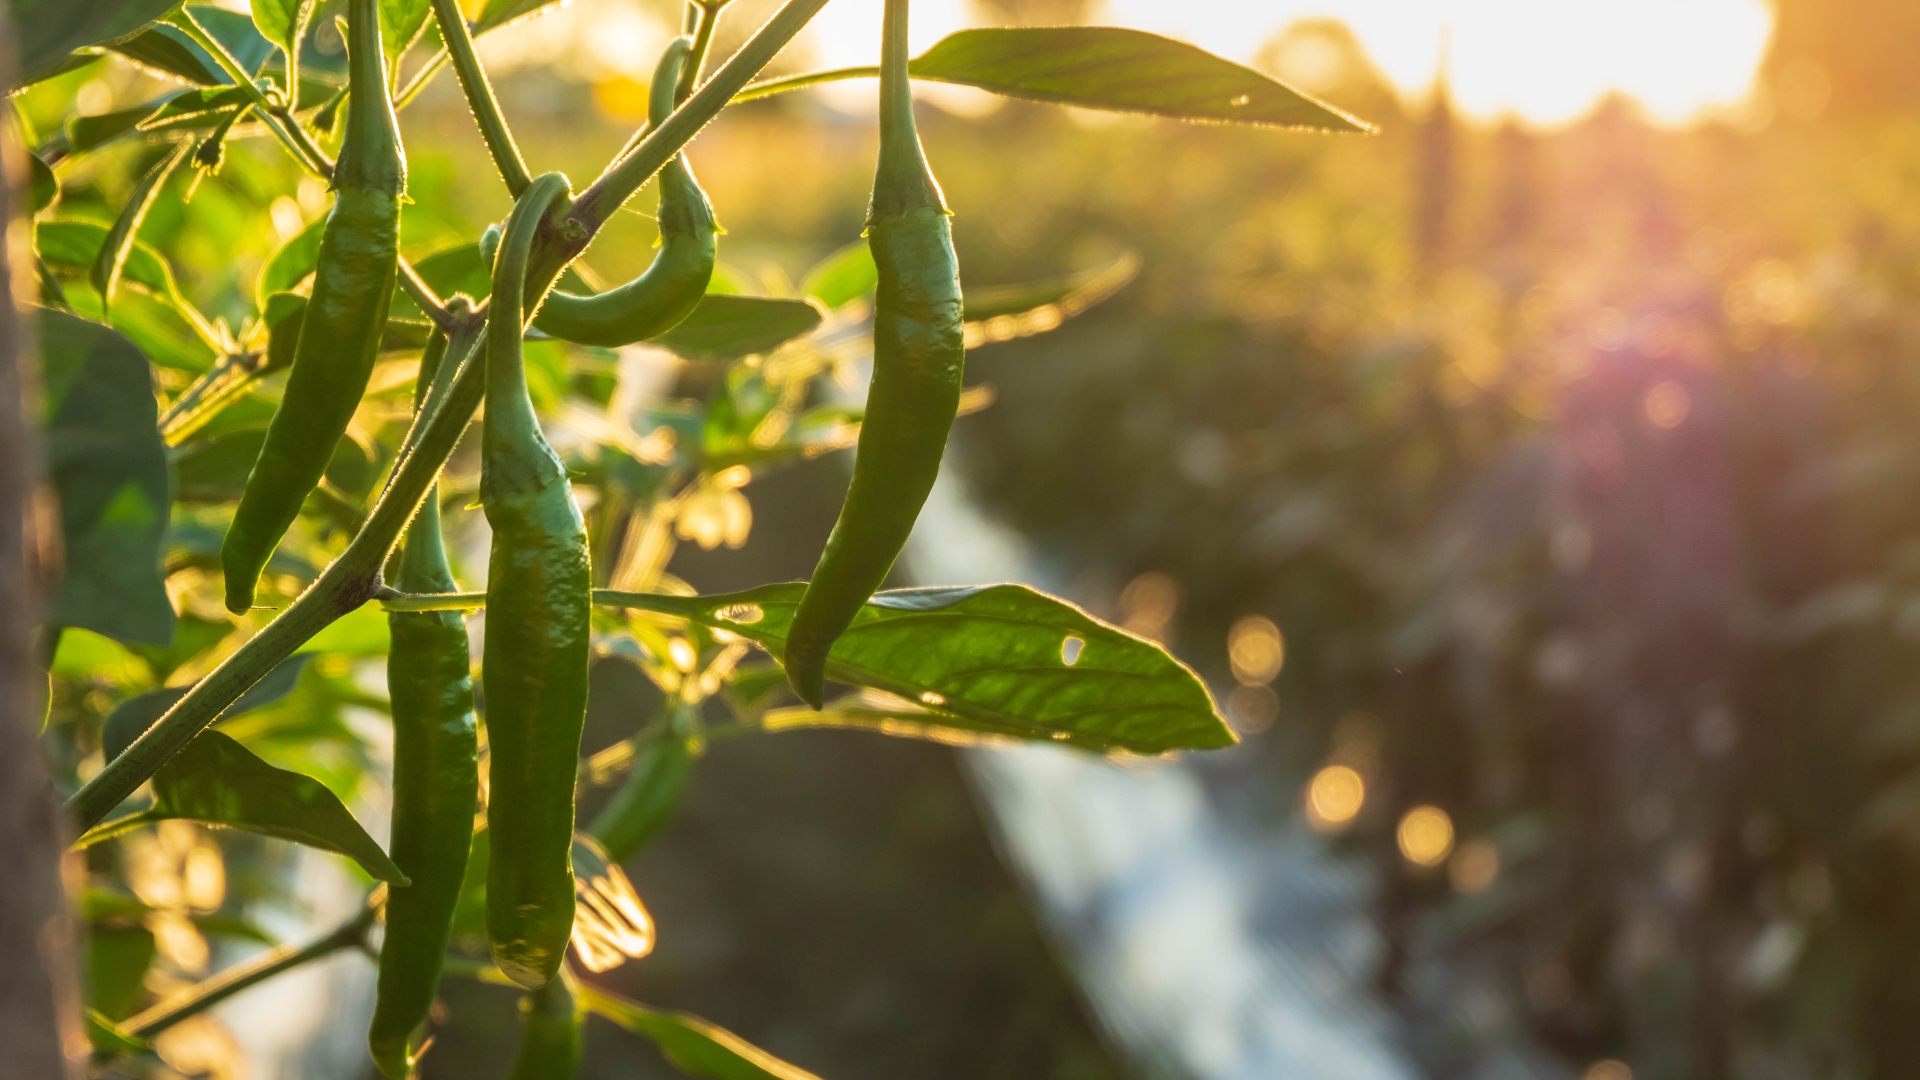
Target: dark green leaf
point(117, 960)
point(86, 133)
point(107, 267)
point(1107, 67)
point(49, 30)
point(109, 469)
point(167, 49)
point(284, 313)
point(46, 188)
point(75, 246)
point(73, 62)
point(996, 659)
point(845, 275)
point(202, 106)
point(694, 1046)
point(729, 327)
point(132, 717)
point(400, 24)
point(290, 264)
point(217, 781)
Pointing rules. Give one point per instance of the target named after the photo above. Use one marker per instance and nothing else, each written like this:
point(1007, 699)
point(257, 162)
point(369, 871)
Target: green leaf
point(1120, 70)
point(400, 24)
point(167, 50)
point(694, 1046)
point(291, 263)
point(996, 659)
point(727, 328)
point(217, 781)
point(46, 187)
point(132, 717)
point(647, 799)
point(75, 246)
point(1072, 294)
point(107, 267)
point(284, 23)
point(842, 277)
point(361, 632)
point(203, 106)
point(49, 30)
point(86, 133)
point(499, 13)
point(109, 469)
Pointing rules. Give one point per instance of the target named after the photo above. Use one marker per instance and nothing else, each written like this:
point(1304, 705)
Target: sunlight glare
point(1548, 63)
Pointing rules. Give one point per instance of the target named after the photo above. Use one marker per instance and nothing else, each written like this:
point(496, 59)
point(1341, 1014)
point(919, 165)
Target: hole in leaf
point(745, 614)
point(1070, 650)
point(931, 698)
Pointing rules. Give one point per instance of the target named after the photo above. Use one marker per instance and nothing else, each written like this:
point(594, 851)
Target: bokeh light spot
point(1334, 798)
point(1667, 405)
point(1425, 835)
point(1256, 650)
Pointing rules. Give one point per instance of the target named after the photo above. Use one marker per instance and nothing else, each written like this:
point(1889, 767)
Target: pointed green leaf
point(999, 659)
point(105, 274)
point(86, 133)
point(109, 469)
point(217, 781)
point(291, 263)
point(131, 718)
point(202, 106)
point(284, 22)
point(46, 188)
point(694, 1046)
point(499, 13)
point(108, 1039)
point(1072, 294)
point(845, 275)
point(1120, 70)
point(400, 24)
point(727, 328)
point(75, 246)
point(50, 30)
point(167, 50)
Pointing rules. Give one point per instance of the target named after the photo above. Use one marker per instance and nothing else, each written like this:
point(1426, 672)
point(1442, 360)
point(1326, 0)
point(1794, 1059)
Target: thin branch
point(205, 995)
point(347, 583)
point(486, 108)
point(800, 82)
point(702, 41)
point(422, 294)
point(624, 177)
point(271, 113)
point(420, 80)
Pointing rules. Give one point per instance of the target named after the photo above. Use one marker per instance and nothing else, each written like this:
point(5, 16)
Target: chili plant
point(311, 502)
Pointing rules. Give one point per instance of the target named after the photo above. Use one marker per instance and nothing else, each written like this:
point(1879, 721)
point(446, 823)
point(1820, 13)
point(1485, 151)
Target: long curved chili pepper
point(340, 332)
point(549, 1035)
point(657, 300)
point(435, 778)
point(918, 356)
point(538, 611)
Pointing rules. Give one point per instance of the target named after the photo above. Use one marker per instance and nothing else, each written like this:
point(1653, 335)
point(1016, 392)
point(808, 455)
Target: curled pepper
point(538, 611)
point(657, 300)
point(918, 358)
point(435, 778)
point(340, 332)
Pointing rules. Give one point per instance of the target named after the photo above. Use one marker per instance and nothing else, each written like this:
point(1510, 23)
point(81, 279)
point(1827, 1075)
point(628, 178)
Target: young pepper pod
point(538, 615)
point(657, 300)
point(549, 1034)
point(918, 359)
point(339, 340)
point(435, 778)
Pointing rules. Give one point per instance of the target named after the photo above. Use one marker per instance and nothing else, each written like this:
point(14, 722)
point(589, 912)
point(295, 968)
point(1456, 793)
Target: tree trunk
point(41, 1037)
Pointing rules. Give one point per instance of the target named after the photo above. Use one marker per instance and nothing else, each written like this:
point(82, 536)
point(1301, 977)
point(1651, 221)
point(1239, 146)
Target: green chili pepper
point(918, 358)
point(340, 332)
point(549, 1034)
point(538, 611)
point(435, 778)
point(656, 301)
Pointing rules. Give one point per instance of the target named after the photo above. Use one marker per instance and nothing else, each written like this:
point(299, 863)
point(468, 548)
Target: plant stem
point(350, 581)
point(205, 995)
point(210, 393)
point(456, 601)
point(420, 80)
point(423, 295)
point(300, 146)
point(624, 177)
point(702, 41)
point(799, 82)
point(486, 108)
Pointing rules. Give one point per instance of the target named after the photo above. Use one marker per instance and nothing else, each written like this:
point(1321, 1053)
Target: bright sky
point(1547, 61)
